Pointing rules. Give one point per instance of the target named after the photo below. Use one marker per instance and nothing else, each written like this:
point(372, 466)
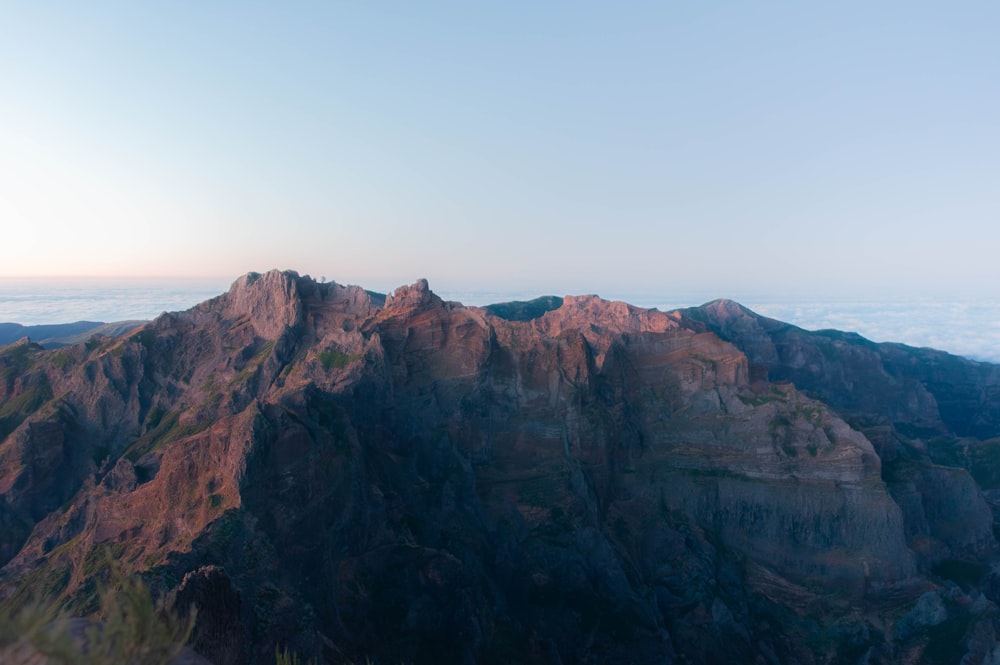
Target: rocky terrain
point(406, 480)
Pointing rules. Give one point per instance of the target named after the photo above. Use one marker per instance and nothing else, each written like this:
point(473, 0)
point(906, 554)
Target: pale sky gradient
point(567, 147)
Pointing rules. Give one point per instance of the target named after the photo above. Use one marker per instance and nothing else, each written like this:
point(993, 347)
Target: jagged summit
point(18, 343)
point(417, 294)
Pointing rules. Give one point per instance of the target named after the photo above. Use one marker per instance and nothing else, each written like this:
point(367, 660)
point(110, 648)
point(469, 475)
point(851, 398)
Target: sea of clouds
point(35, 301)
point(965, 328)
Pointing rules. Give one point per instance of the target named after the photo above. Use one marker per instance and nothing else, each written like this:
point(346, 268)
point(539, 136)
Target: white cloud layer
point(968, 328)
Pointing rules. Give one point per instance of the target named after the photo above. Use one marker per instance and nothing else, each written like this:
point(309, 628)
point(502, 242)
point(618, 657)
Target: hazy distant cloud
point(970, 329)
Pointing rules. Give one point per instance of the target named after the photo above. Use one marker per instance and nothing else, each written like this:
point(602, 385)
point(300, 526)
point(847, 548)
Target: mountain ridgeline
point(570, 480)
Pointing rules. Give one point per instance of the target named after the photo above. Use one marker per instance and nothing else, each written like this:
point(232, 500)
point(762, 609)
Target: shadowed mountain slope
point(565, 481)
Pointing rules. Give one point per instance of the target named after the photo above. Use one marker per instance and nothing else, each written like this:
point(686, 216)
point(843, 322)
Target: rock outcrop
point(927, 412)
point(572, 480)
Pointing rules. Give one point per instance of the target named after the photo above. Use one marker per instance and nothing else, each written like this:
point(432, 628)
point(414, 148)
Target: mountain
point(407, 480)
point(64, 334)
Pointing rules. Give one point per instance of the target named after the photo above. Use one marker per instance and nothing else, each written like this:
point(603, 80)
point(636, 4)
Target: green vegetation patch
point(14, 411)
point(245, 375)
point(101, 556)
point(264, 352)
point(47, 581)
point(336, 359)
point(16, 361)
point(525, 310)
point(62, 359)
point(164, 430)
point(253, 364)
point(26, 402)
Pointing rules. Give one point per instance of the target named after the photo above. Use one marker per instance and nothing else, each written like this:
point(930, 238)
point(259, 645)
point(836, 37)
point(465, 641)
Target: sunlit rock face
point(405, 479)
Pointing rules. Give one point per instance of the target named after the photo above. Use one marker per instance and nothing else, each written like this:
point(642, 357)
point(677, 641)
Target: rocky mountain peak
point(22, 342)
point(415, 293)
point(729, 314)
point(724, 306)
point(601, 322)
point(414, 296)
point(591, 312)
point(270, 302)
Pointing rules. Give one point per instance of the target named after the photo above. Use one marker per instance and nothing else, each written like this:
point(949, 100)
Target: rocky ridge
point(64, 334)
point(571, 480)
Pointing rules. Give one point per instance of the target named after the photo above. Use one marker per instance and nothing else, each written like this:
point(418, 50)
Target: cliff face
point(931, 415)
point(569, 480)
point(924, 391)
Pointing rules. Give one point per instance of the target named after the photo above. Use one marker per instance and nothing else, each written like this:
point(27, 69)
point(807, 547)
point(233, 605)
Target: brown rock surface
point(412, 480)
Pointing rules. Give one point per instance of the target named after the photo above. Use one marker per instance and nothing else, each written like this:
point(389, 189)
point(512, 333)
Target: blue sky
point(769, 148)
